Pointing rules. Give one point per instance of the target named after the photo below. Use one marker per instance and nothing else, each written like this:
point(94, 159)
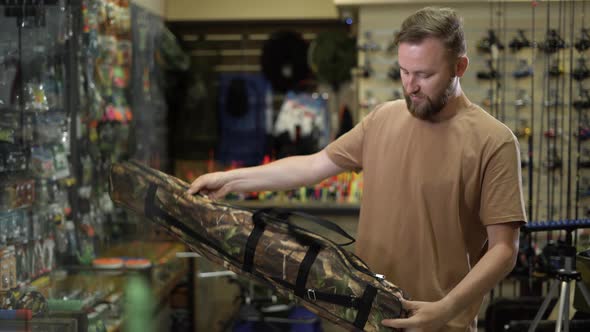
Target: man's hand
point(424, 316)
point(215, 185)
point(495, 264)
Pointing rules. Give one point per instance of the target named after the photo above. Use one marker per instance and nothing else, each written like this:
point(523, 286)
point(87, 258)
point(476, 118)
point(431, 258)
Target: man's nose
point(411, 85)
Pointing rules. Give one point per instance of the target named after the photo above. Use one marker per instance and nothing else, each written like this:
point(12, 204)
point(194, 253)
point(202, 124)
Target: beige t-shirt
point(429, 191)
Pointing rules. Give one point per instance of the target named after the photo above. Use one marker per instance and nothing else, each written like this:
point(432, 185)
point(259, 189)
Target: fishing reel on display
point(369, 45)
point(553, 160)
point(583, 102)
point(581, 72)
point(523, 69)
point(523, 131)
point(488, 43)
point(584, 190)
point(552, 133)
point(583, 43)
point(553, 42)
point(555, 68)
point(366, 71)
point(553, 99)
point(394, 72)
point(519, 42)
point(522, 99)
point(584, 163)
point(490, 74)
point(492, 98)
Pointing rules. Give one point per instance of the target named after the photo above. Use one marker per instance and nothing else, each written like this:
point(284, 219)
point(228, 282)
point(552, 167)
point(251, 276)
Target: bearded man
point(442, 200)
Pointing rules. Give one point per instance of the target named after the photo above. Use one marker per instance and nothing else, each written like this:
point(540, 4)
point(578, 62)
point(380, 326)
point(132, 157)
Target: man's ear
point(461, 65)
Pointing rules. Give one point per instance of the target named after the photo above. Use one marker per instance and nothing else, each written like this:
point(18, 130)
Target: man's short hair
point(433, 22)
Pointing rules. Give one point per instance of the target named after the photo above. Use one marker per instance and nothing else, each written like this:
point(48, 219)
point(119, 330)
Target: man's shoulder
point(388, 109)
point(486, 124)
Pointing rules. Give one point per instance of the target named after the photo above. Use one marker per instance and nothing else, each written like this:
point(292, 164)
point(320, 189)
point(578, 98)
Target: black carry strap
point(280, 215)
point(252, 242)
point(151, 210)
point(299, 288)
point(364, 307)
point(304, 269)
point(324, 223)
point(363, 304)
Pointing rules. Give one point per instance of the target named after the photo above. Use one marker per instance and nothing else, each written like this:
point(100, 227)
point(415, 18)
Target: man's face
point(428, 77)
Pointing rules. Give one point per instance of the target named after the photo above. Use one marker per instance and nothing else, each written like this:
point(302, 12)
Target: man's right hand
point(214, 185)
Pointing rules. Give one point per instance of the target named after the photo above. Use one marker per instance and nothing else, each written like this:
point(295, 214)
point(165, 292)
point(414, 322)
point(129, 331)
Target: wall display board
point(528, 69)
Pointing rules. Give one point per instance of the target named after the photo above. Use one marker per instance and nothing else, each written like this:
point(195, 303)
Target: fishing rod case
point(265, 245)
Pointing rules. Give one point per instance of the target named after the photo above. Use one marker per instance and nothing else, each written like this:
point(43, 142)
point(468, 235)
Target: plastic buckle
point(311, 294)
point(354, 301)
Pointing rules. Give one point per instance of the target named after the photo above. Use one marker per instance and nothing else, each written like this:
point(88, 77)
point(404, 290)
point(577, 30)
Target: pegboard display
point(525, 70)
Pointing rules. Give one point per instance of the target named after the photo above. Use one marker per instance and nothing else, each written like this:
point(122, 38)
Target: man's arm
point(286, 173)
point(495, 264)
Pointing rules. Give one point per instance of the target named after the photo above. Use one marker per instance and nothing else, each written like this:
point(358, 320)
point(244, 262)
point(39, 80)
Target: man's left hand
point(429, 316)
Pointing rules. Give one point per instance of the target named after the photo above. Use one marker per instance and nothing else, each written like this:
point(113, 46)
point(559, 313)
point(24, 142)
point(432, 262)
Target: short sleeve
point(501, 199)
point(347, 150)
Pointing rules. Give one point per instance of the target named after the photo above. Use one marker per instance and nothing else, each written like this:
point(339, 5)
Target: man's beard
point(431, 106)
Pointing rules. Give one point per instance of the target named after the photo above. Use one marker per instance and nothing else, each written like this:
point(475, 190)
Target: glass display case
point(35, 140)
point(68, 84)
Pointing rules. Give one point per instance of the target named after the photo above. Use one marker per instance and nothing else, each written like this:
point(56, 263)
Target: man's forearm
point(283, 174)
point(491, 269)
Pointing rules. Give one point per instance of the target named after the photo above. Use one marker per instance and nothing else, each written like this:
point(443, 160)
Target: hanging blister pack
point(35, 97)
point(42, 162)
point(23, 263)
point(12, 158)
point(16, 193)
point(60, 161)
point(7, 268)
point(50, 128)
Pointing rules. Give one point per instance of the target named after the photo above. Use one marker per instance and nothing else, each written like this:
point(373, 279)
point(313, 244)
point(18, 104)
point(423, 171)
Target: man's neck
point(456, 102)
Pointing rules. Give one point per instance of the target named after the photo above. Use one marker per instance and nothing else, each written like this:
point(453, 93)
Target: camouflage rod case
point(265, 246)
